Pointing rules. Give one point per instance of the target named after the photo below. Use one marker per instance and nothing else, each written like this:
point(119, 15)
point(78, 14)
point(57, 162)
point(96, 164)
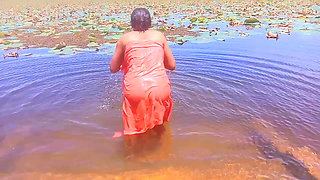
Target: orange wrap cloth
point(147, 90)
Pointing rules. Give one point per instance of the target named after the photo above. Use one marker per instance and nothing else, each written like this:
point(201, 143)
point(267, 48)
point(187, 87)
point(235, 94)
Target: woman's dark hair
point(140, 19)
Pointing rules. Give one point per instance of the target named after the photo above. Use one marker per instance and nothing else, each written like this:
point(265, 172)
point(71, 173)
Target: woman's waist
point(145, 74)
point(151, 79)
point(155, 78)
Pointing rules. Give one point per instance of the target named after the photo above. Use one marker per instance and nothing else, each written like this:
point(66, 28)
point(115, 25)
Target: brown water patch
point(310, 158)
point(212, 143)
point(292, 164)
point(302, 162)
point(230, 170)
point(11, 145)
point(81, 38)
point(151, 146)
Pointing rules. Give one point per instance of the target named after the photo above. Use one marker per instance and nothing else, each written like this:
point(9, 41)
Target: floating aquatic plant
point(6, 42)
point(202, 20)
point(193, 19)
point(93, 44)
point(251, 21)
point(2, 35)
point(181, 41)
point(163, 28)
point(92, 36)
point(198, 22)
point(27, 54)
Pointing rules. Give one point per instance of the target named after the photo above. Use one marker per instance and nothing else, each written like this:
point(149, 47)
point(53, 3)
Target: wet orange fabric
point(147, 91)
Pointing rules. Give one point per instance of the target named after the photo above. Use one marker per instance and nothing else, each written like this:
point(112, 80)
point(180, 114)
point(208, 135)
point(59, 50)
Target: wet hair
point(140, 19)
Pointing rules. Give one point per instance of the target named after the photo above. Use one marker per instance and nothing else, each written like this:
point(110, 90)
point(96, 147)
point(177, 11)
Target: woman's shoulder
point(157, 35)
point(155, 31)
point(126, 35)
point(150, 34)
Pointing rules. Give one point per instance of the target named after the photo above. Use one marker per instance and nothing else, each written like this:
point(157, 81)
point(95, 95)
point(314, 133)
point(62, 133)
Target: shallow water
point(234, 102)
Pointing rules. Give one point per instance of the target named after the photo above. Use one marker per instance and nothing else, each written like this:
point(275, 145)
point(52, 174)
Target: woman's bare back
point(148, 35)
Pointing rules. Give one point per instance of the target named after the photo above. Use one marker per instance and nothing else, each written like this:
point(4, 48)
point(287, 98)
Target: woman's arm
point(118, 57)
point(169, 61)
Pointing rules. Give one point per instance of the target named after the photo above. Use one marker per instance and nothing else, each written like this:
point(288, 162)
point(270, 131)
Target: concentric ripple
point(67, 108)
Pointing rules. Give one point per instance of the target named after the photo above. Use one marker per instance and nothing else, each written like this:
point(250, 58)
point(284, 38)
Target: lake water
point(240, 107)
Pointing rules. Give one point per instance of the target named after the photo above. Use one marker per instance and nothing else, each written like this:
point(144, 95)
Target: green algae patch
point(92, 36)
point(202, 20)
point(251, 21)
point(198, 20)
point(6, 42)
point(15, 45)
point(2, 34)
point(192, 23)
point(93, 44)
point(181, 41)
point(163, 28)
point(193, 19)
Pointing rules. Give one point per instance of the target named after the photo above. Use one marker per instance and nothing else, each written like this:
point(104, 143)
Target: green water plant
point(163, 28)
point(6, 42)
point(219, 13)
point(2, 35)
point(251, 21)
point(193, 19)
point(92, 36)
point(202, 20)
point(60, 46)
point(181, 41)
point(231, 19)
point(92, 44)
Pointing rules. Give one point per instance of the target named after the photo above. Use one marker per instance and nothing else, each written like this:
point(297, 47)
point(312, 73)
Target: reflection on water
point(243, 109)
point(151, 146)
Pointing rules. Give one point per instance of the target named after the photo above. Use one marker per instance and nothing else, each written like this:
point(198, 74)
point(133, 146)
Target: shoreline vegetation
point(70, 27)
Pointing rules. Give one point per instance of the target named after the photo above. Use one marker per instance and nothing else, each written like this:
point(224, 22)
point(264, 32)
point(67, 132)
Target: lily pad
point(2, 35)
point(27, 54)
point(113, 37)
point(15, 41)
point(59, 46)
point(66, 51)
point(31, 30)
point(92, 36)
point(6, 42)
point(16, 45)
point(63, 33)
point(220, 39)
point(193, 19)
point(163, 28)
point(84, 49)
point(181, 41)
point(202, 20)
point(315, 7)
point(251, 21)
point(75, 30)
point(93, 44)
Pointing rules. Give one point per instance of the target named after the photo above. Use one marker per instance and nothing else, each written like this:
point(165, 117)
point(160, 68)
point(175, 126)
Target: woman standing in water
point(144, 55)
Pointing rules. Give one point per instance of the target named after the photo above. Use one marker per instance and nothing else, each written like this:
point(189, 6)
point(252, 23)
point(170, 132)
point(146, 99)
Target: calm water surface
point(245, 108)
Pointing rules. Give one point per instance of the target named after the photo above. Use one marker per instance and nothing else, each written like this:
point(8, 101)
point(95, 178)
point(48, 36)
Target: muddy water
point(243, 109)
